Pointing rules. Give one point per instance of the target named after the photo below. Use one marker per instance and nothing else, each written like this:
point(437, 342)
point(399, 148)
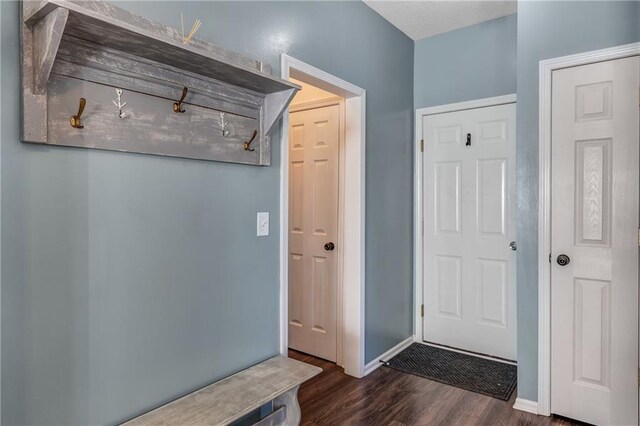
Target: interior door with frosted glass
point(469, 206)
point(594, 242)
point(313, 228)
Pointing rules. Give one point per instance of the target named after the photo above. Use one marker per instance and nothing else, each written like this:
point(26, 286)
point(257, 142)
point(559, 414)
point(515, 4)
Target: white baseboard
point(375, 364)
point(526, 405)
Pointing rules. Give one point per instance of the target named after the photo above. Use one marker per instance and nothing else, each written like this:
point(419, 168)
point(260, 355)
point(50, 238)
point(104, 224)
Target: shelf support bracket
point(275, 105)
point(47, 34)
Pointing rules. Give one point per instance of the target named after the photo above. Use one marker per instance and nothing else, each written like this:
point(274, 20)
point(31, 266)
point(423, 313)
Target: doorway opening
point(340, 203)
point(316, 141)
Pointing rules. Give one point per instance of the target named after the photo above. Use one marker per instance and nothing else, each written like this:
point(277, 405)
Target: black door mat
point(480, 375)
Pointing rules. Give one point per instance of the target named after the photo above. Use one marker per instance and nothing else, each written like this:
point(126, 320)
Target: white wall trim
point(0, 226)
point(417, 230)
point(418, 275)
point(375, 364)
point(353, 270)
point(526, 406)
point(461, 106)
point(315, 104)
point(546, 69)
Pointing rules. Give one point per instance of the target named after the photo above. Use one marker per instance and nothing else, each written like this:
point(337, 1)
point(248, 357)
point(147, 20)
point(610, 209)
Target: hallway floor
point(390, 397)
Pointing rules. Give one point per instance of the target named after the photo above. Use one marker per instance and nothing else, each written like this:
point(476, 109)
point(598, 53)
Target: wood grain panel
point(593, 192)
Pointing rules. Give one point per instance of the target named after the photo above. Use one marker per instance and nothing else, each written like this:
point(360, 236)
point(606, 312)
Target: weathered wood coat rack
point(85, 49)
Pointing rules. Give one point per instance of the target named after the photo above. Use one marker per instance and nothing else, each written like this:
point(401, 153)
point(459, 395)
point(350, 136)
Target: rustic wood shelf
point(73, 49)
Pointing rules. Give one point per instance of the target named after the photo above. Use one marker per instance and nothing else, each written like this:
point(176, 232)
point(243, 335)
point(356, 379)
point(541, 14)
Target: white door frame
point(418, 237)
point(352, 186)
point(544, 203)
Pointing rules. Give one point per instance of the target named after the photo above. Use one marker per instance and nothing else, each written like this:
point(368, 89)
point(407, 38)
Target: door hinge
point(638, 237)
point(639, 377)
point(421, 145)
point(422, 228)
point(422, 311)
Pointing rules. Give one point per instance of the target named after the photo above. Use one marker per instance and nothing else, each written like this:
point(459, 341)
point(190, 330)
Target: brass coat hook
point(177, 106)
point(75, 119)
point(247, 145)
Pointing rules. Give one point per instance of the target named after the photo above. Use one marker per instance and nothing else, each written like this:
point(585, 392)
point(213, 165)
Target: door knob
point(329, 246)
point(513, 246)
point(563, 260)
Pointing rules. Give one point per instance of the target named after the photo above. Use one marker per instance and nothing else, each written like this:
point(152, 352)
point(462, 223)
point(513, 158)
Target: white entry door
point(313, 228)
point(594, 242)
point(469, 206)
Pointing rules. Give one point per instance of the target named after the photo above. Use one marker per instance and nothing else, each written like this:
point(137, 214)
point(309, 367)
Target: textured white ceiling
point(424, 18)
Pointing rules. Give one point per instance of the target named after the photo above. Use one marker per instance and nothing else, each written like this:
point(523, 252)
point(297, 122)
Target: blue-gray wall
point(128, 280)
point(474, 62)
point(548, 30)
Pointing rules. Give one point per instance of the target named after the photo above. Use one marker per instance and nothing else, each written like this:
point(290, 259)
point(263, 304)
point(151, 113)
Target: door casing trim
point(352, 271)
point(546, 69)
point(418, 218)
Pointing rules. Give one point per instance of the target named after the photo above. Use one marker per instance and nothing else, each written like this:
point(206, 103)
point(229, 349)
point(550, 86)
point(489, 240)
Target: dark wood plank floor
point(391, 397)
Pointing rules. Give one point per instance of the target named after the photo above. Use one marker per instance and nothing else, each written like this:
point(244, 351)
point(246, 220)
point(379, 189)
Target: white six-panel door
point(594, 221)
point(313, 223)
point(469, 207)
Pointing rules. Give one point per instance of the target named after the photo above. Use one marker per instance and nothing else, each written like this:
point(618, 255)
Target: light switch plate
point(263, 224)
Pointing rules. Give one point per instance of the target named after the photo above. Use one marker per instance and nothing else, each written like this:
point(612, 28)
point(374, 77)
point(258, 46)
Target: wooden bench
point(276, 379)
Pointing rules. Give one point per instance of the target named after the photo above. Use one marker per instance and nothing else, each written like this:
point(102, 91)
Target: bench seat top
point(233, 397)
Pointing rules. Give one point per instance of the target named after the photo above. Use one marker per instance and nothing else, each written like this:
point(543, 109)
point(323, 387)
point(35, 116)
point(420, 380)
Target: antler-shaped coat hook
point(247, 145)
point(120, 104)
point(223, 125)
point(75, 119)
point(177, 106)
